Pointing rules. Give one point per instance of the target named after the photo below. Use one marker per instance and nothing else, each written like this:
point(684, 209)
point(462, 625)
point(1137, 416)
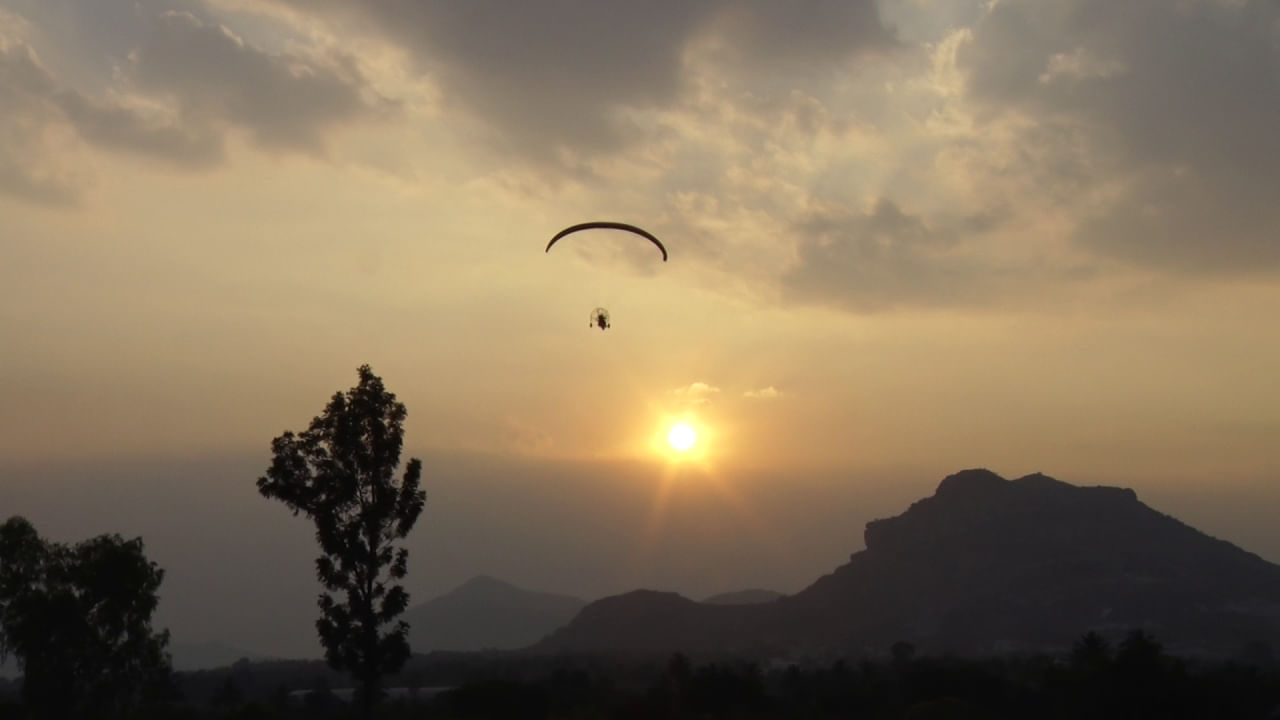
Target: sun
point(681, 437)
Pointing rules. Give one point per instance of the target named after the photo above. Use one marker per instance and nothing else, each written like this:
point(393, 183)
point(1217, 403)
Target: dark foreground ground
point(1135, 678)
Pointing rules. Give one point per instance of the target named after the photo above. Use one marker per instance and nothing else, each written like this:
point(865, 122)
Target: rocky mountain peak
point(985, 564)
point(974, 503)
point(970, 483)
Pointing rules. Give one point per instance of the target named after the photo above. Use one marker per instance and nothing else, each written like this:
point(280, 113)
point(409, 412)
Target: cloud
point(173, 98)
point(1056, 147)
point(568, 77)
point(29, 167)
point(117, 126)
point(1171, 107)
point(884, 257)
point(44, 124)
point(286, 101)
point(700, 393)
point(696, 393)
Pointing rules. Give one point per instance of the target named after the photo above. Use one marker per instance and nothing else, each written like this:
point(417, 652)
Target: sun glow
point(682, 437)
point(682, 440)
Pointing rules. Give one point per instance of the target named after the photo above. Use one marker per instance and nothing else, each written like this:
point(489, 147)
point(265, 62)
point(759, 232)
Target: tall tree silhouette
point(78, 618)
point(1091, 654)
point(340, 473)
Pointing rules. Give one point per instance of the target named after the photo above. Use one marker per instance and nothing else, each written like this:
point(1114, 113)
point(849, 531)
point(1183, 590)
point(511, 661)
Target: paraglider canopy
point(606, 225)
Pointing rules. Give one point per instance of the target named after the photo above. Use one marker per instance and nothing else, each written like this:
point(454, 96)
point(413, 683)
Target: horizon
point(905, 238)
point(676, 557)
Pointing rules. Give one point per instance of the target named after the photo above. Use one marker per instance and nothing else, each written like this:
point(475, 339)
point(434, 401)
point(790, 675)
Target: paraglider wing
point(604, 224)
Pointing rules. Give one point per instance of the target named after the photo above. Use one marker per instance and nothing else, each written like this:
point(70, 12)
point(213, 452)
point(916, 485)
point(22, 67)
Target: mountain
point(208, 655)
point(983, 565)
point(753, 596)
point(485, 613)
point(185, 656)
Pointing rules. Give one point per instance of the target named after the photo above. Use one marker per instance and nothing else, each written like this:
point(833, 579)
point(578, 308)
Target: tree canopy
point(341, 474)
point(78, 619)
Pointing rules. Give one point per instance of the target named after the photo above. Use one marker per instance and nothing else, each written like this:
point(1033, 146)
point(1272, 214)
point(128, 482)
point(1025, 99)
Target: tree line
point(1133, 677)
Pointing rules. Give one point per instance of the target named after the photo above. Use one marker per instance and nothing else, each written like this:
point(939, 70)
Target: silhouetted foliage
point(499, 698)
point(340, 473)
point(1257, 653)
point(1091, 654)
point(902, 652)
point(228, 694)
point(577, 687)
point(321, 700)
point(78, 619)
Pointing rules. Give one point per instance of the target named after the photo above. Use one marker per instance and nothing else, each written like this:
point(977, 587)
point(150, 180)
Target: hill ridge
point(984, 564)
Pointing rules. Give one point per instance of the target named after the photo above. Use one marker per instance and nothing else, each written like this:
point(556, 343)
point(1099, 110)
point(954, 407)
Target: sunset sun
point(681, 437)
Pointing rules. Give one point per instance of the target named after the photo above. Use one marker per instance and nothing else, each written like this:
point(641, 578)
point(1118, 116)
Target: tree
point(902, 652)
point(340, 473)
point(1091, 654)
point(79, 621)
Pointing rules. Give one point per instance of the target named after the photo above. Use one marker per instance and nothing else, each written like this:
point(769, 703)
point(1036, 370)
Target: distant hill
point(208, 655)
point(754, 596)
point(186, 657)
point(485, 613)
point(984, 565)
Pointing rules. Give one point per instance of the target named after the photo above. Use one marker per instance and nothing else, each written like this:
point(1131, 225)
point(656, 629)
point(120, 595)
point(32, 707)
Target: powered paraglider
point(600, 316)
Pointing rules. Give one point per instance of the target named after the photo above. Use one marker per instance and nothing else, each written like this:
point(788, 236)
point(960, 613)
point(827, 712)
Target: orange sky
point(905, 238)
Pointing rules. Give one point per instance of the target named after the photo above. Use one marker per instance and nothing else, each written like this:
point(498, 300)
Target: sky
point(906, 238)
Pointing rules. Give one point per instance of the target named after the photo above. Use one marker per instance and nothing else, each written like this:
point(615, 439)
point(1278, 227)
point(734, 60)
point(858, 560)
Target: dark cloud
point(36, 186)
point(556, 76)
point(192, 145)
point(884, 258)
point(92, 38)
point(285, 101)
point(27, 169)
point(1175, 103)
point(41, 120)
point(179, 84)
point(796, 39)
